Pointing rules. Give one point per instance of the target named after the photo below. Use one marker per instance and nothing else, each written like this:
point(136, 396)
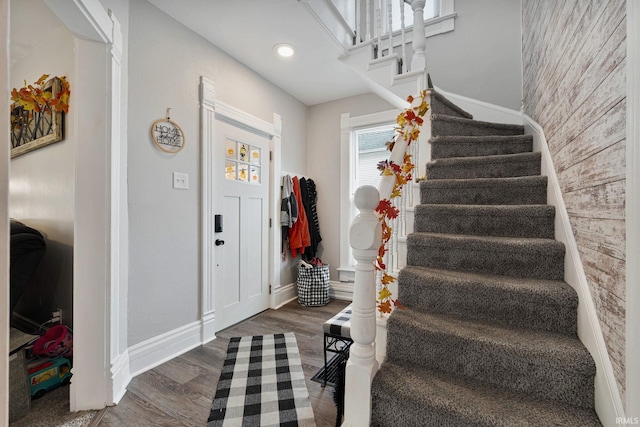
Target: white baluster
point(419, 61)
point(368, 18)
point(402, 228)
point(358, 39)
point(390, 29)
point(403, 38)
point(365, 236)
point(379, 27)
point(393, 247)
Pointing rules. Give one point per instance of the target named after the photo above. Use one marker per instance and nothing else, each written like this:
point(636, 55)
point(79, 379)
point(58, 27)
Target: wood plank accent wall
point(574, 54)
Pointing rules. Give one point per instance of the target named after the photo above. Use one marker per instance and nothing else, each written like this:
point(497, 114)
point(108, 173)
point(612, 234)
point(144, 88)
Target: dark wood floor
point(179, 392)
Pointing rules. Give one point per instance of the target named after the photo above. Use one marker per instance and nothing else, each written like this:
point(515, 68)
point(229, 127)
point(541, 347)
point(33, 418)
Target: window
point(363, 145)
point(371, 148)
point(438, 15)
point(431, 10)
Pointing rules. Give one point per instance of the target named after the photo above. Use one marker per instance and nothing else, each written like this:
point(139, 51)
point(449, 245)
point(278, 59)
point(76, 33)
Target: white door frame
point(210, 108)
point(4, 215)
point(99, 342)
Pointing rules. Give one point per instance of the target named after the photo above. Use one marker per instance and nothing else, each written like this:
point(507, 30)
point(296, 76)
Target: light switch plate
point(180, 181)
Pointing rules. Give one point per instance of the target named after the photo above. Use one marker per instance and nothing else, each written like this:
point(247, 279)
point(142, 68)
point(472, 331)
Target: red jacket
point(299, 237)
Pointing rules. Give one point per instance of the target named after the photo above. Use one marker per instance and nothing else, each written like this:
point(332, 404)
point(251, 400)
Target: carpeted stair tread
point(541, 364)
point(508, 256)
point(489, 334)
point(470, 146)
point(529, 190)
point(486, 220)
point(410, 396)
point(545, 305)
point(498, 166)
point(442, 124)
point(439, 104)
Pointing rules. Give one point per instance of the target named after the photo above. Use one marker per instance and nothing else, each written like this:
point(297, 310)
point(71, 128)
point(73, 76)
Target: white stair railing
point(374, 26)
point(366, 238)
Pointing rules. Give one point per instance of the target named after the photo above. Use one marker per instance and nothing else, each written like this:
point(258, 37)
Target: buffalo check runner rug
point(262, 384)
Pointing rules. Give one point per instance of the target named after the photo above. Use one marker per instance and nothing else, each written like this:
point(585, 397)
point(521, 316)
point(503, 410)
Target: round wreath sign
point(167, 135)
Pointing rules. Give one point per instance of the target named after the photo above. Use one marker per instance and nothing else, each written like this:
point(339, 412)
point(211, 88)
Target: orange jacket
point(299, 237)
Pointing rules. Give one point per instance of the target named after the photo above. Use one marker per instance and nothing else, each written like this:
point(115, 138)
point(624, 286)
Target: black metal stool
point(337, 339)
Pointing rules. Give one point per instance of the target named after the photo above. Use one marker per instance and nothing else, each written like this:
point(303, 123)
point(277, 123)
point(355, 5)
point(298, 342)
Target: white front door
point(241, 249)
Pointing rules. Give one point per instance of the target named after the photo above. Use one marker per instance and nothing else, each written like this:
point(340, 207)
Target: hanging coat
point(299, 237)
point(288, 210)
point(309, 197)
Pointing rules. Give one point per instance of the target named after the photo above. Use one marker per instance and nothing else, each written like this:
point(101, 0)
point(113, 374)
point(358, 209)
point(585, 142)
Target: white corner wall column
point(210, 108)
point(118, 332)
point(4, 215)
point(100, 361)
point(633, 213)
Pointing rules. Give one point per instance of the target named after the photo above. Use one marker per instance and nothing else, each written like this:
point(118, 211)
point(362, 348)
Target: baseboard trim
point(342, 290)
point(120, 377)
point(208, 327)
point(607, 396)
point(483, 110)
point(162, 348)
point(284, 294)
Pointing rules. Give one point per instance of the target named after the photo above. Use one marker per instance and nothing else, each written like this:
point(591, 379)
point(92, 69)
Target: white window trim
point(348, 148)
point(442, 23)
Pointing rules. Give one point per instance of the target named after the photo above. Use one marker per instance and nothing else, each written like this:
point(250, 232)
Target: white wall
point(481, 58)
point(324, 165)
point(42, 181)
point(167, 61)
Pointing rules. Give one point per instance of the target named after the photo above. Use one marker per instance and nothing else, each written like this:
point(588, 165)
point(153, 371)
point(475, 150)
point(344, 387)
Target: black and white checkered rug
point(262, 384)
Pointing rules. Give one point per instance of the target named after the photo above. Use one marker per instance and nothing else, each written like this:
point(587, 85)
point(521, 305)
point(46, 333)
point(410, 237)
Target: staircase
point(489, 334)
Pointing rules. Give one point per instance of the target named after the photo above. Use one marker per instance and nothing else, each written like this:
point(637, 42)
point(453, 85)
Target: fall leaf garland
point(409, 122)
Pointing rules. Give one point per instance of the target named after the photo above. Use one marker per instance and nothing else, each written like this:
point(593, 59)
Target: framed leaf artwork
point(37, 114)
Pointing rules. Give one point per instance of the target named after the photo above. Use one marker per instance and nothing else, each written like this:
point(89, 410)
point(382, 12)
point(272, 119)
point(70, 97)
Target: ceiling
point(24, 18)
point(248, 30)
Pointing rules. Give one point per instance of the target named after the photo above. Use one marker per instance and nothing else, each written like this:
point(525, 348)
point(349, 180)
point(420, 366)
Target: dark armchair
point(27, 247)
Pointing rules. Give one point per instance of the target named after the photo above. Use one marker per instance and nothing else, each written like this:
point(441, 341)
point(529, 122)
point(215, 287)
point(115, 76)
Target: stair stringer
point(608, 403)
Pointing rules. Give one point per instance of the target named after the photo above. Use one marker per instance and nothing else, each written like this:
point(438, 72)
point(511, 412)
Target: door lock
point(219, 242)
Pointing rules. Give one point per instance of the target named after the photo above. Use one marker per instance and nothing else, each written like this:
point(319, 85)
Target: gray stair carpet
point(489, 335)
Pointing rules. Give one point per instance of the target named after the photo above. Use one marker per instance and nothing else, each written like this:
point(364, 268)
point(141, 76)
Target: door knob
point(219, 242)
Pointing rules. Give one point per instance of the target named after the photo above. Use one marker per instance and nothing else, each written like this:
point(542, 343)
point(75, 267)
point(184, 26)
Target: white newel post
point(365, 237)
point(419, 60)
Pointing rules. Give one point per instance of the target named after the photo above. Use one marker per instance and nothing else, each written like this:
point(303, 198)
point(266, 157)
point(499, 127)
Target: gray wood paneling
point(574, 57)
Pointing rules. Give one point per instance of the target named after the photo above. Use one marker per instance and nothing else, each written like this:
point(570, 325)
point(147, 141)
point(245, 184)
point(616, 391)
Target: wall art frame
point(167, 135)
point(32, 129)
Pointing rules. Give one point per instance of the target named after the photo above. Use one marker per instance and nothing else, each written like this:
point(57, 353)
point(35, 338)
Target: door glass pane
point(230, 170)
point(243, 152)
point(243, 172)
point(255, 155)
point(230, 149)
point(255, 175)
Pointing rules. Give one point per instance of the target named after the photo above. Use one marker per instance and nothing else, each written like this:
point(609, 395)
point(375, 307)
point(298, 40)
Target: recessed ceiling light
point(285, 50)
